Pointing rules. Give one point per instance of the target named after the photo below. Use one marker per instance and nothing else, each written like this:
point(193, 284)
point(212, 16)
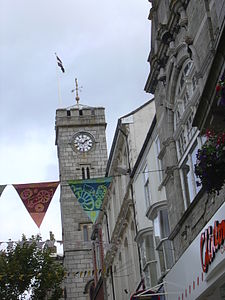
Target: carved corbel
point(175, 5)
point(162, 75)
point(183, 16)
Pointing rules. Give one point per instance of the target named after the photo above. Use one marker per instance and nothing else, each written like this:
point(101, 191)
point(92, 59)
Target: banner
point(90, 194)
point(36, 197)
point(2, 187)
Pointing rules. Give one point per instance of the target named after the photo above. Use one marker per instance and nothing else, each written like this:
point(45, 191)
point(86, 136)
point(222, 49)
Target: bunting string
point(36, 197)
point(77, 274)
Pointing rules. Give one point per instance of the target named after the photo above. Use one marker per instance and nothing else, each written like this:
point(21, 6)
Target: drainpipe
point(94, 263)
point(111, 272)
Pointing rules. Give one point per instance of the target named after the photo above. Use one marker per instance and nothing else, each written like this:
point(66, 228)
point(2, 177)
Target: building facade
point(156, 251)
point(82, 154)
point(122, 269)
point(158, 230)
point(187, 63)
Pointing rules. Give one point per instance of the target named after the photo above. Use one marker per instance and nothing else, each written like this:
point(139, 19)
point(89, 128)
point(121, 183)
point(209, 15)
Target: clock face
point(83, 142)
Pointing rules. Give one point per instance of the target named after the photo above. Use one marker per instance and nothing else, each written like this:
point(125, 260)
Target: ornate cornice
point(166, 34)
point(121, 224)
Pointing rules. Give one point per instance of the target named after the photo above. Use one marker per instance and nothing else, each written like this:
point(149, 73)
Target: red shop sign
point(211, 241)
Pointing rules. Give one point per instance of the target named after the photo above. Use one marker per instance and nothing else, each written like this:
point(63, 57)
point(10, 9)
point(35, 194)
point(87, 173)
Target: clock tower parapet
point(78, 117)
point(80, 140)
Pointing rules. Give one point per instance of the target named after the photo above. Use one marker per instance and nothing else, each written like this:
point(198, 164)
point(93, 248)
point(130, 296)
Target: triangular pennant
point(2, 187)
point(36, 197)
point(90, 194)
point(77, 273)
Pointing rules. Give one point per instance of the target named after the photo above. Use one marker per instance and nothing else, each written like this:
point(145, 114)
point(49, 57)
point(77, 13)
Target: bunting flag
point(2, 187)
point(36, 197)
point(59, 63)
point(90, 194)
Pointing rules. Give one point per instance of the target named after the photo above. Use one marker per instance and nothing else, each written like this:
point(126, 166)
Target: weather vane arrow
point(77, 89)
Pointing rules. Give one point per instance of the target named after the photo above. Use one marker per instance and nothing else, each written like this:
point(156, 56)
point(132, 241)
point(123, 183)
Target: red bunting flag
point(36, 197)
point(2, 187)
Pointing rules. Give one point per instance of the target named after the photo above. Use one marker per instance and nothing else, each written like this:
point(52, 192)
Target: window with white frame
point(186, 86)
point(188, 177)
point(186, 136)
point(147, 187)
point(163, 245)
point(149, 261)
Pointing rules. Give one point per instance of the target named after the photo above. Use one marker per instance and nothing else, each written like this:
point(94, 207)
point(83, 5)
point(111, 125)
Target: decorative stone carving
point(162, 75)
point(183, 17)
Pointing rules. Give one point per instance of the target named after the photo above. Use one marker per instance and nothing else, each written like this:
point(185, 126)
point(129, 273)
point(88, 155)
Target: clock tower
point(82, 154)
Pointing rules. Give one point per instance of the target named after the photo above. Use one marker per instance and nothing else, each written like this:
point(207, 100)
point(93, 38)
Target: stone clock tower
point(82, 153)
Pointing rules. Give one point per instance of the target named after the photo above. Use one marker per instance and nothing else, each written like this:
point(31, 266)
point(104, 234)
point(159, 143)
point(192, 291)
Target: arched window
point(85, 170)
point(186, 86)
point(186, 136)
point(85, 233)
point(83, 173)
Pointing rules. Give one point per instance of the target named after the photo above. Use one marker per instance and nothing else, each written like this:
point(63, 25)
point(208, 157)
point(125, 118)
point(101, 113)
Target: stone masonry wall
point(187, 29)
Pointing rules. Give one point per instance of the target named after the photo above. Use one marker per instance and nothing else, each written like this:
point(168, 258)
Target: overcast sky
point(105, 44)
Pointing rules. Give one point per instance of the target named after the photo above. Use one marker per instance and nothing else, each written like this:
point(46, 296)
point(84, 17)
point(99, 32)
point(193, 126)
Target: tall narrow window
point(85, 169)
point(188, 175)
point(88, 172)
point(85, 232)
point(163, 245)
point(186, 136)
point(147, 187)
point(158, 161)
point(86, 229)
point(83, 173)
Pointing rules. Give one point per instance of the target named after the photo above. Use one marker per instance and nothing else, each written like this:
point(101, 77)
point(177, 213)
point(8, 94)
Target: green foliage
point(25, 267)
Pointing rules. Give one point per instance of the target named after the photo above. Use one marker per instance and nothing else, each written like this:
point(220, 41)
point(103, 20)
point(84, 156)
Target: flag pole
point(58, 88)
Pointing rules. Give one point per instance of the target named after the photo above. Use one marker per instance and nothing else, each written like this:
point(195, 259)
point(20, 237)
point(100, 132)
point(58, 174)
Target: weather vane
point(77, 89)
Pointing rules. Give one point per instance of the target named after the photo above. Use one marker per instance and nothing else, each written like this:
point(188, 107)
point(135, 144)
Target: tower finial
point(77, 96)
point(77, 89)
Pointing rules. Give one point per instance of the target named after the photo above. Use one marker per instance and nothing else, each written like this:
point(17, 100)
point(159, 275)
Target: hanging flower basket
point(210, 165)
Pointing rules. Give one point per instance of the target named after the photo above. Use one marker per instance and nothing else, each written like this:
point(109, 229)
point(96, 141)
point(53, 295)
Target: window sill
point(163, 275)
point(160, 243)
point(149, 263)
